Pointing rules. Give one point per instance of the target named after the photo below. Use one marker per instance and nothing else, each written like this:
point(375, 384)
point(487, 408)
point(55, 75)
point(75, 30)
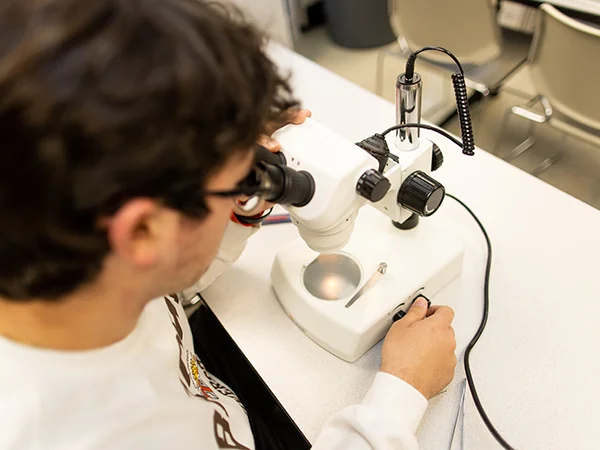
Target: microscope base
point(419, 261)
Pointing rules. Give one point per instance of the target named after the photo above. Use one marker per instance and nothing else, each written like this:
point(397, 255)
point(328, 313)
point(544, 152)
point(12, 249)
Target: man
point(124, 124)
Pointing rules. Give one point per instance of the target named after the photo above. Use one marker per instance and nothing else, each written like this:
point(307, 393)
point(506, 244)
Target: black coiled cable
point(464, 114)
point(460, 93)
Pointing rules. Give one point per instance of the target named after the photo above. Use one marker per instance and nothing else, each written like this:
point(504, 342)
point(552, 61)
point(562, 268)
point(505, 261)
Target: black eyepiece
point(283, 184)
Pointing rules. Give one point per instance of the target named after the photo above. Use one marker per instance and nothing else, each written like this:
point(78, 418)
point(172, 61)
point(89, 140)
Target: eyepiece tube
point(264, 155)
point(289, 187)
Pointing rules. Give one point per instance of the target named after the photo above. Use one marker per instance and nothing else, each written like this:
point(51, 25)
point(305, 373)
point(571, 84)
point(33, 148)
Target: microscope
point(355, 270)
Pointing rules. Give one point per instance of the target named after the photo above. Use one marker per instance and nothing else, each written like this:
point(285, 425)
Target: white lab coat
point(149, 391)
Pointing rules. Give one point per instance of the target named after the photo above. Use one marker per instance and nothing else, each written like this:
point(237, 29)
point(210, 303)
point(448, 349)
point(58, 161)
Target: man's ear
point(135, 231)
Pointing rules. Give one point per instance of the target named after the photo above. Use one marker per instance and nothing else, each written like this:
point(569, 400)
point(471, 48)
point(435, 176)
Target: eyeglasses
point(273, 182)
point(256, 184)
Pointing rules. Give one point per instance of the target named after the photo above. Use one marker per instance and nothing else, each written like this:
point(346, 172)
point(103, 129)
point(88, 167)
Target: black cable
point(410, 63)
point(426, 127)
point(460, 92)
point(486, 309)
point(468, 147)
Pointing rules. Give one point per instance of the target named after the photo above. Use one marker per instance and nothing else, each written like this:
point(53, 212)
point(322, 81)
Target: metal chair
point(565, 67)
point(468, 28)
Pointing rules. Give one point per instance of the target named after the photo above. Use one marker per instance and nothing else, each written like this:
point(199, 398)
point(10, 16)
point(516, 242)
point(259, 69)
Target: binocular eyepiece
point(274, 181)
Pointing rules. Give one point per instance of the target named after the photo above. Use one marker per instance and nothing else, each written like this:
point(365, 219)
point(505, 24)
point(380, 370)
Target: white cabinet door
point(272, 16)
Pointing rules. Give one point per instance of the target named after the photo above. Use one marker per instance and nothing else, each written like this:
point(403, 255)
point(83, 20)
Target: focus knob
point(421, 194)
point(437, 158)
point(373, 186)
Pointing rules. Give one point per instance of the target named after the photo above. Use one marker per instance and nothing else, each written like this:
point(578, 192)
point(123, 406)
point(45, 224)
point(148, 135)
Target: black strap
point(252, 220)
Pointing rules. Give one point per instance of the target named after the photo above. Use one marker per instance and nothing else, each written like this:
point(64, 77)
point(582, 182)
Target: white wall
point(272, 16)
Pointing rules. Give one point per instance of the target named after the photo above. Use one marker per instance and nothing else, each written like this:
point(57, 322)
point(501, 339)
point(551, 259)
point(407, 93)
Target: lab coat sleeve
point(387, 419)
point(233, 244)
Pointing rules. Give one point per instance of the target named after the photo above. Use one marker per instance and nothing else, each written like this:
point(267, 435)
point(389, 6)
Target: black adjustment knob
point(373, 186)
point(421, 194)
point(399, 315)
point(437, 158)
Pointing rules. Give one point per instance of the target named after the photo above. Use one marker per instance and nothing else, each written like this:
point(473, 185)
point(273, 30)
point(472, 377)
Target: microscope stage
point(419, 261)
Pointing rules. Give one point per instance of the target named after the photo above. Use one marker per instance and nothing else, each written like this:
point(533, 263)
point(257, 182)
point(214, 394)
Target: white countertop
point(586, 6)
point(536, 365)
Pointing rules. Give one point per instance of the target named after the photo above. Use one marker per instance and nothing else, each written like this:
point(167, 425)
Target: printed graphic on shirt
point(193, 364)
point(220, 387)
point(190, 367)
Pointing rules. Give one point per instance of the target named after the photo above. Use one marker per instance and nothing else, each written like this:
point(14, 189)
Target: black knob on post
point(437, 158)
point(421, 194)
point(373, 186)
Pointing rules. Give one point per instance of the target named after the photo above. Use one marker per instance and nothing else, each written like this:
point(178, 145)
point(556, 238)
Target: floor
point(576, 172)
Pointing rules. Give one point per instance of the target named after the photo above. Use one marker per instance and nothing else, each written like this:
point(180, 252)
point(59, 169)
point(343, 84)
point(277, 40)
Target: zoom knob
point(421, 194)
point(372, 185)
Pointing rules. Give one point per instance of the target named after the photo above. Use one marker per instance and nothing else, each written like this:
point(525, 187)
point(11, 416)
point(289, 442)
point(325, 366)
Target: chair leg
point(532, 119)
point(544, 165)
point(523, 146)
point(520, 149)
point(550, 161)
point(533, 101)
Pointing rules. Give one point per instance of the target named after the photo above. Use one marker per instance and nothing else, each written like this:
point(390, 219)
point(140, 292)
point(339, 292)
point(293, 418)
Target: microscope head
point(327, 221)
point(347, 176)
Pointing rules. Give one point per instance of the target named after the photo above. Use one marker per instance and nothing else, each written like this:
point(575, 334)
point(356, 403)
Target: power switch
point(421, 295)
point(399, 315)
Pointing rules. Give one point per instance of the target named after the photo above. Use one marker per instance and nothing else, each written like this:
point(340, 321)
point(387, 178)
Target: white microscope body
point(339, 254)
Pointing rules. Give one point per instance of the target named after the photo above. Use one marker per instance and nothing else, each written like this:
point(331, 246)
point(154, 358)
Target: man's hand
point(295, 117)
point(419, 348)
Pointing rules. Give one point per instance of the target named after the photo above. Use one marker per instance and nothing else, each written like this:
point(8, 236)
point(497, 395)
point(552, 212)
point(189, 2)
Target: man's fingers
point(300, 116)
point(416, 312)
point(432, 309)
point(269, 143)
point(294, 116)
point(442, 314)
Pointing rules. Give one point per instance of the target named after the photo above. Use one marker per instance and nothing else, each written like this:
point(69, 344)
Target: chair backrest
point(468, 28)
point(565, 65)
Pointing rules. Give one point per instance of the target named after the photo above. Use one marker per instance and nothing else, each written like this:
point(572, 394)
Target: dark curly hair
point(107, 100)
